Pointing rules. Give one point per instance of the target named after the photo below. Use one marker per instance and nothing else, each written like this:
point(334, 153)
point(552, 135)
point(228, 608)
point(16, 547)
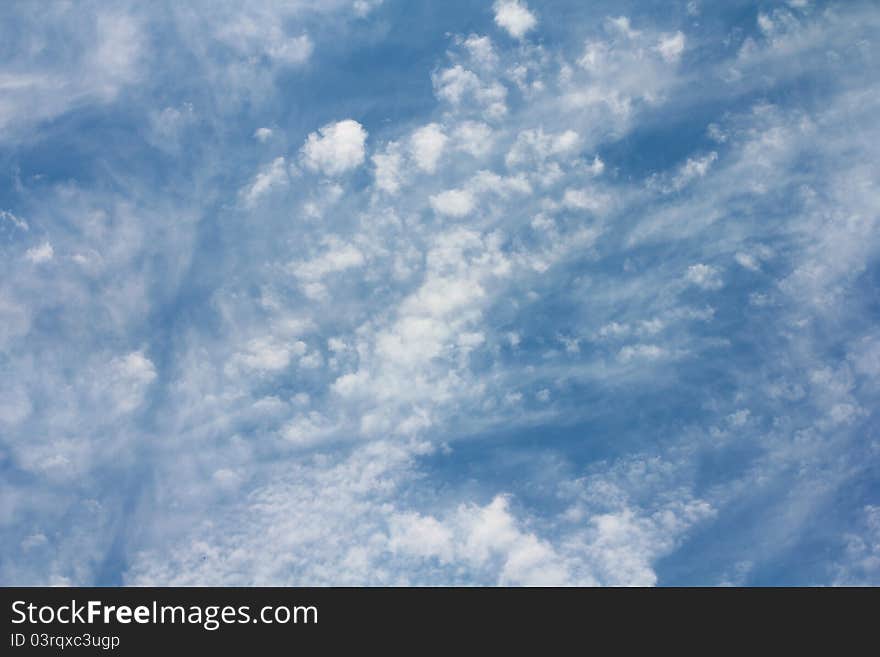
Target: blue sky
point(384, 293)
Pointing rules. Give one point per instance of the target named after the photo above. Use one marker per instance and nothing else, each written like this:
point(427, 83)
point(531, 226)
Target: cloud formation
point(514, 16)
point(562, 297)
point(335, 148)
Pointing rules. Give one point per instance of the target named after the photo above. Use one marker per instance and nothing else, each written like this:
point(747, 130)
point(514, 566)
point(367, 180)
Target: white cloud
point(267, 354)
point(39, 83)
point(418, 331)
point(616, 77)
point(694, 168)
point(482, 51)
point(860, 565)
point(263, 135)
point(453, 83)
point(426, 145)
point(641, 352)
point(292, 51)
point(622, 25)
point(473, 137)
point(487, 182)
point(128, 378)
point(582, 199)
point(120, 47)
point(40, 254)
point(748, 261)
point(307, 430)
point(476, 536)
point(18, 222)
point(254, 32)
point(364, 7)
point(387, 168)
point(338, 257)
point(421, 536)
point(335, 148)
point(535, 146)
point(515, 17)
point(456, 203)
point(272, 176)
point(462, 89)
point(715, 133)
point(766, 24)
point(703, 276)
point(671, 47)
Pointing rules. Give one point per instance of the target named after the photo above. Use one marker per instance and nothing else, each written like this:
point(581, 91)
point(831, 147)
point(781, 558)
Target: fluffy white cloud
point(481, 51)
point(535, 146)
point(515, 17)
point(475, 535)
point(460, 87)
point(426, 145)
point(455, 203)
point(706, 277)
point(388, 168)
point(307, 430)
point(424, 537)
point(488, 182)
point(473, 137)
point(263, 135)
point(335, 148)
